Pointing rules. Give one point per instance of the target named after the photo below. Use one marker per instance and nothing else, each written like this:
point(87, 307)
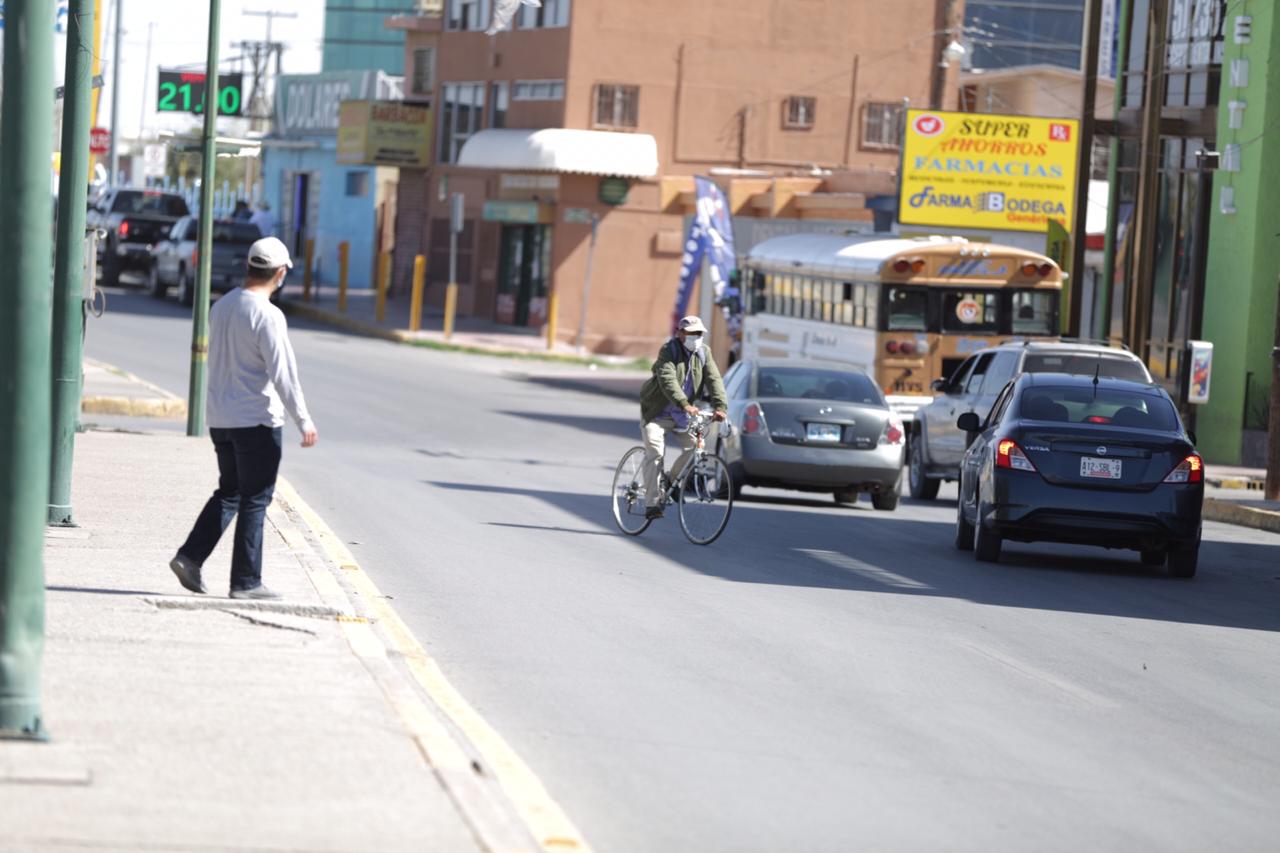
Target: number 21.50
point(228, 99)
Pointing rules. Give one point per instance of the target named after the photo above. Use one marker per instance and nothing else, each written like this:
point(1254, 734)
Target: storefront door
point(523, 271)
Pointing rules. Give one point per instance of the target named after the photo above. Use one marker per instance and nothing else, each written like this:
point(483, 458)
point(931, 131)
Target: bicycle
point(702, 489)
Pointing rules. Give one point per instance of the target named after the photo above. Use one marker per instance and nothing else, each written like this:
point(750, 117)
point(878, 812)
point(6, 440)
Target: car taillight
point(753, 421)
point(893, 432)
point(1189, 470)
point(124, 228)
point(1009, 455)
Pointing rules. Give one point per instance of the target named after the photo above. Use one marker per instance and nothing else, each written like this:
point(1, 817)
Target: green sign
point(614, 190)
point(184, 92)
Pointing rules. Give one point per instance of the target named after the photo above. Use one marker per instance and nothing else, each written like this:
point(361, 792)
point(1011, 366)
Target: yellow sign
point(375, 133)
point(975, 170)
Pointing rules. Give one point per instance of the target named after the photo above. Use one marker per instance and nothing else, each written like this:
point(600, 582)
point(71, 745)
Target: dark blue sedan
point(1084, 460)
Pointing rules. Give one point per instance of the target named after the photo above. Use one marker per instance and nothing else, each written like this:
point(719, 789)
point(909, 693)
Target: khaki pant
point(654, 435)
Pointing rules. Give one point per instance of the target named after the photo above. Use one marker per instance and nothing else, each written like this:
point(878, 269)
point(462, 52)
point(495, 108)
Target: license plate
point(1100, 469)
point(823, 432)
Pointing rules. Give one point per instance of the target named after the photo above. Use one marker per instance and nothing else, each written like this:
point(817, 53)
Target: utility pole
point(262, 52)
point(26, 253)
point(1084, 173)
point(1138, 320)
point(146, 79)
point(68, 266)
point(200, 311)
point(1272, 492)
point(115, 98)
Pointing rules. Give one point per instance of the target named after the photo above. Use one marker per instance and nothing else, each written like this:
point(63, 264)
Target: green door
point(523, 270)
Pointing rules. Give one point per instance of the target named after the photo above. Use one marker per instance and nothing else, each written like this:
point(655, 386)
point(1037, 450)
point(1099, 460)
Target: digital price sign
point(184, 92)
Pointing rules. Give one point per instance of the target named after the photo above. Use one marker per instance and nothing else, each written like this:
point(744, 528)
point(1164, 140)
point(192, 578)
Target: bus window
point(974, 312)
point(907, 309)
point(1034, 312)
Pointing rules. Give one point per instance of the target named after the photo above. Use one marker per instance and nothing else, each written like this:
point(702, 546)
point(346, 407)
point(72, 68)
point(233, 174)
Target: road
point(821, 678)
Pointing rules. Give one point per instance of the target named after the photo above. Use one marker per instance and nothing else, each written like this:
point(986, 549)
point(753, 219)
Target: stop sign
point(99, 140)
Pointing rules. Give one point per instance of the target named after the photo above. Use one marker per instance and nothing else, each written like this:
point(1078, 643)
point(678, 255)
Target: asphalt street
point(821, 678)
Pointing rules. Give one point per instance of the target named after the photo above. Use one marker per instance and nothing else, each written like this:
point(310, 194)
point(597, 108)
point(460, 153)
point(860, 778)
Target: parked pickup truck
point(175, 257)
point(134, 220)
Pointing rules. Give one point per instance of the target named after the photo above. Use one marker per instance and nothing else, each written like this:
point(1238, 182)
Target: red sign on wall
point(99, 140)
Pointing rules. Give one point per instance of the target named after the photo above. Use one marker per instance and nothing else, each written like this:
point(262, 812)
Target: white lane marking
point(864, 570)
point(1037, 674)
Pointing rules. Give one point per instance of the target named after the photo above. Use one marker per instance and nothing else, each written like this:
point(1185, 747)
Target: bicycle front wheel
point(628, 493)
point(706, 499)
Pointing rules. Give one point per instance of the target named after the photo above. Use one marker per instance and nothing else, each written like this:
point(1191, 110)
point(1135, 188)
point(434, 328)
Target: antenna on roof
point(1096, 371)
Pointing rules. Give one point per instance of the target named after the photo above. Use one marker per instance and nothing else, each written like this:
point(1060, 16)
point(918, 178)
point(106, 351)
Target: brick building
point(590, 108)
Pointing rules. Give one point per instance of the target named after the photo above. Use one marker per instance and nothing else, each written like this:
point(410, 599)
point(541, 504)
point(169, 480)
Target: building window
point(424, 71)
point(468, 15)
point(357, 184)
point(552, 13)
point(461, 113)
point(798, 112)
point(882, 125)
point(538, 90)
point(499, 100)
point(617, 106)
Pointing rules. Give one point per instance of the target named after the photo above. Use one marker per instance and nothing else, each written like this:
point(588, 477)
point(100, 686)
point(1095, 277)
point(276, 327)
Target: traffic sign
point(99, 140)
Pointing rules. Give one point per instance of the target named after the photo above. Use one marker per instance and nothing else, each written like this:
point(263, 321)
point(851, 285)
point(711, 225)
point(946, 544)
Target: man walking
point(253, 381)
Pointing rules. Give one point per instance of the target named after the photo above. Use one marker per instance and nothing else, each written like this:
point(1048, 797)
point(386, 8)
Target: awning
point(583, 152)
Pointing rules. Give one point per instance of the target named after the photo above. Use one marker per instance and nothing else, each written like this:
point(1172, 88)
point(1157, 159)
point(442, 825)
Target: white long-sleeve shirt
point(253, 375)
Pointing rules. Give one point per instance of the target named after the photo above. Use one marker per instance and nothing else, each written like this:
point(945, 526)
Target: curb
point(1251, 483)
point(138, 407)
point(1244, 516)
point(516, 813)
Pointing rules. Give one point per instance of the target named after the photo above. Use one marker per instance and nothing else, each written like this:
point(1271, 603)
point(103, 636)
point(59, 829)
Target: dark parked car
point(1064, 458)
point(813, 427)
point(135, 220)
point(936, 445)
point(175, 258)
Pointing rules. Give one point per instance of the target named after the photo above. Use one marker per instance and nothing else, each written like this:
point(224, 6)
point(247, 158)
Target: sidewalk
point(470, 333)
point(179, 721)
point(111, 391)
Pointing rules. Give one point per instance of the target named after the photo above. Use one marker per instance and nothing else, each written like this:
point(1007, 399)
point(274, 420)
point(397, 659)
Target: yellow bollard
point(553, 308)
point(384, 274)
point(306, 270)
point(450, 308)
point(344, 251)
point(419, 283)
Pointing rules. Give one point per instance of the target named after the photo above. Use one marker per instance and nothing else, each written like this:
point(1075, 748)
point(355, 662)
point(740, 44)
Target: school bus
point(906, 311)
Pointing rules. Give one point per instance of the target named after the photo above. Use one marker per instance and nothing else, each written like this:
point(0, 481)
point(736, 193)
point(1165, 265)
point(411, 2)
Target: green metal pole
point(26, 255)
point(200, 314)
point(1102, 318)
point(68, 262)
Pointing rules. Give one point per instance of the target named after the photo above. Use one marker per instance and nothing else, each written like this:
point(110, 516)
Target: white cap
point(691, 323)
point(269, 254)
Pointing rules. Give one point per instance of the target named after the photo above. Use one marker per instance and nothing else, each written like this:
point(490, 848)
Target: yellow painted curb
point(138, 407)
point(1245, 516)
point(543, 817)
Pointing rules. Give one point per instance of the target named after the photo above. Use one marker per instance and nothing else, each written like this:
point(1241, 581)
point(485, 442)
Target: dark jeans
point(248, 460)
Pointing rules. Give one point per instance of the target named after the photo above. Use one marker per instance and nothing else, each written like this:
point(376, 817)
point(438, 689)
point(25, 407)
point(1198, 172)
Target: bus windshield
point(907, 309)
point(972, 312)
point(1034, 312)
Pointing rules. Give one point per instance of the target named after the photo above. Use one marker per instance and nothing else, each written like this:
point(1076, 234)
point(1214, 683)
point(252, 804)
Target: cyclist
point(684, 372)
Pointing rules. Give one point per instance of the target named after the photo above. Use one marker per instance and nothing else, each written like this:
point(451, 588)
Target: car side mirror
point(939, 386)
point(969, 422)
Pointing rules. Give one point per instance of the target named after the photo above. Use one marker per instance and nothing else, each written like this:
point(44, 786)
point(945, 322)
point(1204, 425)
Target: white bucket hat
point(692, 323)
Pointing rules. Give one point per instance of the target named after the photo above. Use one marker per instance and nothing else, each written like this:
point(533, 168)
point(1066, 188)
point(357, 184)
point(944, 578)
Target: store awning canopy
point(556, 149)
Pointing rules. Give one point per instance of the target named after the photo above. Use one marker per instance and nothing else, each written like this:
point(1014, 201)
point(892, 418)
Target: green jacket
point(666, 386)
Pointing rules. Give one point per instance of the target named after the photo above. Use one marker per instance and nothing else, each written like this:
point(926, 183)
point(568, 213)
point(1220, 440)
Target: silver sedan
point(813, 427)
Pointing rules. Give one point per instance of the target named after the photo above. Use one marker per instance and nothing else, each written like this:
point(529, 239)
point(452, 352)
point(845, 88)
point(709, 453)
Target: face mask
point(691, 343)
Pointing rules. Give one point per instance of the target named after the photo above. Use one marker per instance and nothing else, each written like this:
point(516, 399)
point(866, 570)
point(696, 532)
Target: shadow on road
point(794, 543)
point(621, 427)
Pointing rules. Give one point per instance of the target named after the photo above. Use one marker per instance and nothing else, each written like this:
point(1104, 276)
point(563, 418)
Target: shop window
point(882, 125)
point(798, 112)
point(357, 184)
point(423, 82)
point(461, 112)
point(617, 106)
point(538, 90)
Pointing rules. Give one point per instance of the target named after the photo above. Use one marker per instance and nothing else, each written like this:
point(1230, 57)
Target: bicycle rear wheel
point(628, 493)
point(705, 500)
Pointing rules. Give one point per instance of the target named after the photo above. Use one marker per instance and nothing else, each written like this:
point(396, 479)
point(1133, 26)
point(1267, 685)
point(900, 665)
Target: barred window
point(882, 125)
point(798, 112)
point(617, 106)
point(424, 71)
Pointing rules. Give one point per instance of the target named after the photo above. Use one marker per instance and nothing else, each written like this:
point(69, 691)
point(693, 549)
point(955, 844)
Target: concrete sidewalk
point(196, 722)
point(111, 391)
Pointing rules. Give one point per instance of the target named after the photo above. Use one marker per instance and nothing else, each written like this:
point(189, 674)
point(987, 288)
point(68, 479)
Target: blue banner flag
point(710, 236)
